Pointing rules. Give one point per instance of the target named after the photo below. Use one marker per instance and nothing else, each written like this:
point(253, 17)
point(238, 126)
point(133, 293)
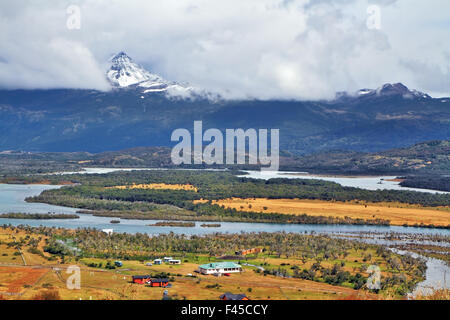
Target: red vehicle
point(227, 274)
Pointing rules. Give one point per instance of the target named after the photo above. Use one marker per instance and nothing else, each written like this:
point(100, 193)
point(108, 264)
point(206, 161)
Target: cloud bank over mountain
point(290, 49)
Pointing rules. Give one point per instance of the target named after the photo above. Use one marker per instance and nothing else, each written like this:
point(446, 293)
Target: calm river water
point(12, 200)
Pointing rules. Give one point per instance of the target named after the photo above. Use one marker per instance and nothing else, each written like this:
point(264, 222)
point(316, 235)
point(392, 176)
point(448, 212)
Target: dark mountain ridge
point(94, 121)
point(142, 109)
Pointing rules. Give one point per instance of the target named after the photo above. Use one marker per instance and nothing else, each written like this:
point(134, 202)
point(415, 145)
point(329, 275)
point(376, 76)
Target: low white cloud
point(290, 49)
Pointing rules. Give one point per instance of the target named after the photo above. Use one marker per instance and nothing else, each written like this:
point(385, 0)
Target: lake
point(363, 182)
point(368, 183)
point(12, 200)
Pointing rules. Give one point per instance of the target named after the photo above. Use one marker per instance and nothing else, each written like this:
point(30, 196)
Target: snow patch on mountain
point(125, 73)
point(386, 90)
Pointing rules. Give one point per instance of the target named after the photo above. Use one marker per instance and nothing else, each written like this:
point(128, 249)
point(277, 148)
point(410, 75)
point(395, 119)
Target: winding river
point(12, 200)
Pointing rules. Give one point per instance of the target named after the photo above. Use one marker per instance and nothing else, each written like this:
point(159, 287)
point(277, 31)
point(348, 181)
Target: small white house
point(174, 261)
point(219, 268)
point(108, 231)
point(167, 259)
point(157, 261)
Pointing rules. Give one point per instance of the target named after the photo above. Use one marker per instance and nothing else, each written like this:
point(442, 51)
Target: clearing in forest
point(157, 186)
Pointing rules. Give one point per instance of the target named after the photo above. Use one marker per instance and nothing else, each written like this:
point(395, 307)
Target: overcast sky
point(240, 48)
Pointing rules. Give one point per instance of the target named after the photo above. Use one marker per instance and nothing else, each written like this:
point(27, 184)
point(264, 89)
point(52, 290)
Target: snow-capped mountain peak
point(124, 73)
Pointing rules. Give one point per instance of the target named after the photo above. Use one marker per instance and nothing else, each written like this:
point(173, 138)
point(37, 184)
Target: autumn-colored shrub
point(47, 295)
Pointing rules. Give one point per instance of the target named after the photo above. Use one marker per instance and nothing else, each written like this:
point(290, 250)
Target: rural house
point(219, 268)
point(248, 251)
point(141, 279)
point(160, 282)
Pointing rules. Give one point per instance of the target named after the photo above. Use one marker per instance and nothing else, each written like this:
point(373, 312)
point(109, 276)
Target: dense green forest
point(219, 185)
point(38, 216)
point(92, 193)
point(432, 182)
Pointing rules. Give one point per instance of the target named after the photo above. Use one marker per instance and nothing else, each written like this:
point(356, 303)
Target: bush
point(47, 295)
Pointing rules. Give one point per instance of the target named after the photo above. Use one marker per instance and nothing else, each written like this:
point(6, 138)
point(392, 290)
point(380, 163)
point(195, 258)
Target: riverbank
point(38, 216)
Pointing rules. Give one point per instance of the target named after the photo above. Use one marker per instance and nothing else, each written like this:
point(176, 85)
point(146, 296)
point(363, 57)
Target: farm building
point(157, 261)
point(108, 231)
point(174, 261)
point(219, 268)
point(161, 282)
point(141, 279)
point(167, 259)
point(230, 296)
point(153, 282)
point(248, 251)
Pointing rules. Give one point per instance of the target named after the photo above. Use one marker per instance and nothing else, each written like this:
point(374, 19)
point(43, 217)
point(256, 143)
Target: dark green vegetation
point(173, 224)
point(17, 163)
point(426, 158)
point(326, 255)
point(428, 182)
point(210, 225)
point(94, 195)
point(38, 216)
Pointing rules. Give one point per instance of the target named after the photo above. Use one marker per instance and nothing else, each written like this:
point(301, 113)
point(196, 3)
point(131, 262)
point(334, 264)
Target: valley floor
point(32, 273)
point(396, 213)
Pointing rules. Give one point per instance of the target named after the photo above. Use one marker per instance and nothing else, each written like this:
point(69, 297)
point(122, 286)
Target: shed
point(159, 282)
point(141, 279)
point(231, 296)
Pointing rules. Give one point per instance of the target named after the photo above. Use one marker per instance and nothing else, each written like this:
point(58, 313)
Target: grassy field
point(398, 214)
point(112, 285)
point(30, 282)
point(45, 274)
point(157, 186)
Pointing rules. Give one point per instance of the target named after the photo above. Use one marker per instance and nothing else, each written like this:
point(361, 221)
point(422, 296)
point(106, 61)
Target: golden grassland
point(157, 186)
point(396, 213)
point(19, 281)
point(41, 276)
point(112, 285)
point(84, 161)
point(442, 294)
point(15, 279)
point(28, 282)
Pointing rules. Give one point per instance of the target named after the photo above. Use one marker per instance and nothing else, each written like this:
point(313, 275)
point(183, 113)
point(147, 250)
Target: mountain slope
point(124, 73)
point(86, 120)
point(143, 109)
